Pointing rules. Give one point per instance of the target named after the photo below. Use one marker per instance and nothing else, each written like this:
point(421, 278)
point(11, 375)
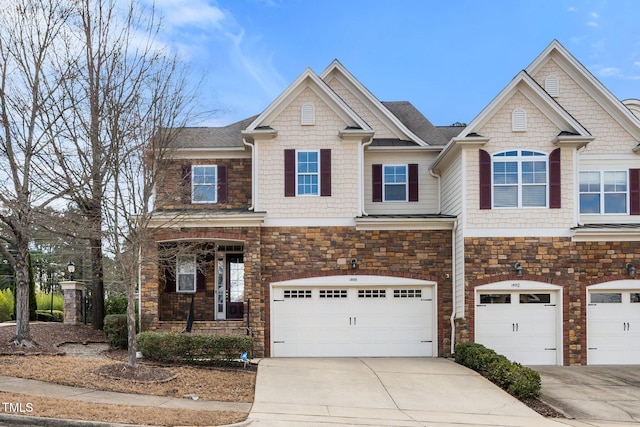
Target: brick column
point(72, 302)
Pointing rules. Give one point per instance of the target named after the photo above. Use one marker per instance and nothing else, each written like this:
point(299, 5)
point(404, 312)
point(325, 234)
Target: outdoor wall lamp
point(71, 268)
point(518, 268)
point(631, 269)
point(354, 263)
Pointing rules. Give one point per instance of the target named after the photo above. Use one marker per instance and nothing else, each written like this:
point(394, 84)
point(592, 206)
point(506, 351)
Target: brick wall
point(300, 252)
point(555, 260)
point(170, 193)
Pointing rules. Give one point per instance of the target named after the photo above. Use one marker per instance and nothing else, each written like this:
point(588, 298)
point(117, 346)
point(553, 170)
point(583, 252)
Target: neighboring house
point(334, 224)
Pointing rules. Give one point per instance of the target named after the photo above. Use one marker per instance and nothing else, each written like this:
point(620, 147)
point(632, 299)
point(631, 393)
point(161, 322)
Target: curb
point(26, 420)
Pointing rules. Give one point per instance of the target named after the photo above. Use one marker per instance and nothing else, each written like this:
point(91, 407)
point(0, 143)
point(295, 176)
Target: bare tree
point(29, 80)
point(122, 67)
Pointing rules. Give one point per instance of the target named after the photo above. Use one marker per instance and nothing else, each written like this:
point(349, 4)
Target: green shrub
point(6, 305)
point(43, 301)
point(46, 316)
point(520, 381)
point(169, 347)
point(116, 304)
point(115, 330)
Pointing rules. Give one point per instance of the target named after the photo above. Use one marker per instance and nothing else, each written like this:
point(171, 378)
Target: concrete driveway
point(381, 392)
point(593, 395)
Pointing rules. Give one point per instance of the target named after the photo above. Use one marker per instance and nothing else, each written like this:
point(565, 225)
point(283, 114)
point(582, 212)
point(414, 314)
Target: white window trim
point(192, 259)
point(309, 174)
point(519, 159)
point(602, 193)
point(406, 184)
point(193, 184)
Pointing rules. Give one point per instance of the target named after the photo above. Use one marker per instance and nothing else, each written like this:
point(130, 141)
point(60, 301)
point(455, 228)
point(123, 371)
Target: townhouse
point(334, 224)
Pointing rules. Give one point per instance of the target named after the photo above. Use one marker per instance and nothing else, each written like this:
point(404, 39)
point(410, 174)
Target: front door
point(235, 286)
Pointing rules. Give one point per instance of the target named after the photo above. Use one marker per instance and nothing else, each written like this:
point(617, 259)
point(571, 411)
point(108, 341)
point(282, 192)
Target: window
point(308, 172)
point(204, 184)
point(394, 183)
point(495, 298)
point(606, 298)
point(535, 298)
point(603, 192)
point(186, 277)
point(519, 179)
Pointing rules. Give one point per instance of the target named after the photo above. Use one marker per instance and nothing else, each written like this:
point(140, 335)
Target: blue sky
point(448, 58)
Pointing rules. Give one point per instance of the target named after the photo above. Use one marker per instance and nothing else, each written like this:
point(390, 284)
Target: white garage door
point(613, 325)
point(364, 320)
point(520, 324)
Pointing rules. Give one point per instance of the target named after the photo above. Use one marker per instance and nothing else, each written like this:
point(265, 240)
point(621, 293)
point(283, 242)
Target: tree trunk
point(97, 314)
point(131, 324)
point(23, 330)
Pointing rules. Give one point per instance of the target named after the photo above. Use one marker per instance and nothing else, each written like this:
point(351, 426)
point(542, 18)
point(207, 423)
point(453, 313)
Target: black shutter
point(485, 180)
point(289, 173)
point(169, 279)
point(185, 185)
point(376, 182)
point(222, 183)
point(634, 191)
point(325, 172)
point(413, 182)
point(555, 184)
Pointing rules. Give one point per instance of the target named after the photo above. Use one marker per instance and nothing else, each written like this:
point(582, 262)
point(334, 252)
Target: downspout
point(361, 175)
point(254, 166)
point(436, 176)
point(452, 319)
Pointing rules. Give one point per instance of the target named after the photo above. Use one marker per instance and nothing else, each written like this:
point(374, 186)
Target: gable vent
point(519, 120)
point(308, 115)
point(552, 86)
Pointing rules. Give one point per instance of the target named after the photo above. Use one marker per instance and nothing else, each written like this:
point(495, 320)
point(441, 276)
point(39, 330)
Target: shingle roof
point(214, 137)
point(416, 122)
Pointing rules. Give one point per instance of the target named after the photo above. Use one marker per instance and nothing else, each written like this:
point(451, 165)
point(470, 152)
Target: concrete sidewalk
point(382, 392)
point(40, 388)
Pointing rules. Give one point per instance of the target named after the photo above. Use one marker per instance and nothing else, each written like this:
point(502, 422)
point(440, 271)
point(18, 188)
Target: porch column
point(72, 302)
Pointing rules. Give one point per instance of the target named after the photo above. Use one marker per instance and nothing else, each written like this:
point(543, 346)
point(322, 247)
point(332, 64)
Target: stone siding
point(298, 252)
point(555, 260)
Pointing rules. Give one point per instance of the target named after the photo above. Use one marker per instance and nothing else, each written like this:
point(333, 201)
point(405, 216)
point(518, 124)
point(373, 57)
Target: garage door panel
point(613, 326)
point(370, 321)
point(521, 325)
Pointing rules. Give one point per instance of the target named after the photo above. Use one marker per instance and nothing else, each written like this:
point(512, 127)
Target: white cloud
point(592, 24)
point(611, 72)
point(571, 9)
point(637, 63)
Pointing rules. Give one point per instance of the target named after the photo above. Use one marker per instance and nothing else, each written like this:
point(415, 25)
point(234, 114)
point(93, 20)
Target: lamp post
point(71, 268)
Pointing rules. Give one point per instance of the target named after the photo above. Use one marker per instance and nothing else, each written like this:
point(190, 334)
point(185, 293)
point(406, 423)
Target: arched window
point(520, 179)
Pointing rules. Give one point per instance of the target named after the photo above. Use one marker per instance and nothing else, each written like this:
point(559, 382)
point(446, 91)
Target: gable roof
point(309, 79)
point(578, 72)
point(404, 120)
point(526, 85)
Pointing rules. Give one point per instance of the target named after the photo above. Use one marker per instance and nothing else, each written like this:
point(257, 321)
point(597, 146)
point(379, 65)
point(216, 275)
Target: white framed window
point(603, 192)
point(204, 184)
point(186, 269)
point(308, 173)
point(520, 179)
point(394, 183)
